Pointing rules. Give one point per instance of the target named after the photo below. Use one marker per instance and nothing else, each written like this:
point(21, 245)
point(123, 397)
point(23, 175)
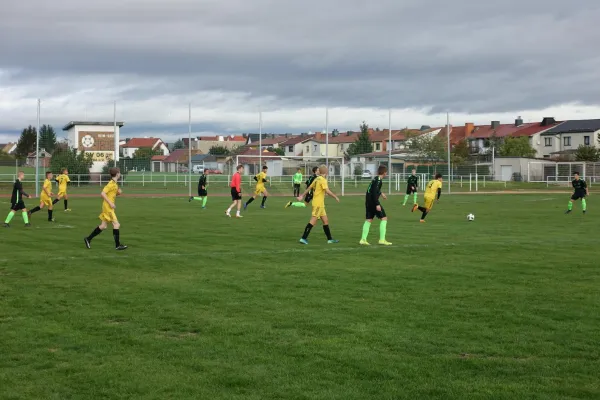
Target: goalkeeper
point(261, 179)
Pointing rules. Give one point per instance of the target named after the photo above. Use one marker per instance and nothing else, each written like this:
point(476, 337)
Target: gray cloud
point(463, 56)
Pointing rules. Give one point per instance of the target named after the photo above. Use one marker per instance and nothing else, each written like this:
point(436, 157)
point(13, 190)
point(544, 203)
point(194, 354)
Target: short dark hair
point(265, 167)
point(239, 166)
point(48, 173)
point(438, 176)
point(575, 173)
point(315, 169)
point(381, 170)
point(113, 172)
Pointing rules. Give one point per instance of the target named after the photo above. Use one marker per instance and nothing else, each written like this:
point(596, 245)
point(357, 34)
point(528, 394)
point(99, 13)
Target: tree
point(587, 153)
point(460, 152)
point(178, 145)
point(78, 164)
point(47, 138)
point(219, 151)
point(362, 144)
point(26, 142)
point(142, 158)
point(517, 147)
point(429, 148)
point(277, 150)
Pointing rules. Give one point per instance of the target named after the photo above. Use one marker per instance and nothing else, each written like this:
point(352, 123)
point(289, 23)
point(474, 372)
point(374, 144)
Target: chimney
point(469, 129)
point(495, 124)
point(424, 128)
point(518, 121)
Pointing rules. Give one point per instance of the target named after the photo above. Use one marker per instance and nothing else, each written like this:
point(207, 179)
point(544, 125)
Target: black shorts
point(202, 192)
point(235, 195)
point(18, 206)
point(308, 198)
point(410, 190)
point(296, 186)
point(578, 195)
point(372, 213)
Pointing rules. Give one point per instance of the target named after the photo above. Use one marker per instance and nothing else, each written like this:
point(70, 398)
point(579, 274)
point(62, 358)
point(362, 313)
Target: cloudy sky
point(478, 60)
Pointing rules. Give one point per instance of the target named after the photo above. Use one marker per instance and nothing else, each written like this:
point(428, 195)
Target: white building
point(132, 145)
point(96, 138)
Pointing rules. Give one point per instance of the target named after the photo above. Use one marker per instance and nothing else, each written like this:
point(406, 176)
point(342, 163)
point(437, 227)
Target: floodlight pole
point(390, 151)
point(190, 149)
point(37, 151)
point(260, 140)
point(449, 166)
point(115, 136)
point(327, 138)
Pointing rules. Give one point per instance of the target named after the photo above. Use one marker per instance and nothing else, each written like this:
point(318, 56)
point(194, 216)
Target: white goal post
point(283, 168)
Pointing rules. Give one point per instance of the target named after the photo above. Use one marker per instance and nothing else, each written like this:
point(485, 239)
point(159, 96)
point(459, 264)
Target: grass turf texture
point(202, 306)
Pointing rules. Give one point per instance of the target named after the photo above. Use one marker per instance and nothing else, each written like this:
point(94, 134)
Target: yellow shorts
point(46, 200)
point(62, 194)
point(259, 190)
point(428, 202)
point(318, 212)
point(108, 216)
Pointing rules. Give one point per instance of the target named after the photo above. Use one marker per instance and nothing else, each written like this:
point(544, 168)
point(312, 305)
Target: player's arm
point(105, 197)
point(331, 194)
point(308, 189)
point(439, 193)
point(49, 194)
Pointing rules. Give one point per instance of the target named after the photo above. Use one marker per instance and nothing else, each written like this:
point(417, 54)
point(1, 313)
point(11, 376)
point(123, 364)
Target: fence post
point(165, 175)
point(143, 179)
point(78, 180)
point(470, 181)
point(476, 182)
point(484, 181)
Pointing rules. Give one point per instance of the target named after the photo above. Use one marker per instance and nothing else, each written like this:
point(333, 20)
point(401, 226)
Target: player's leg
point(583, 204)
point(98, 230)
point(25, 215)
point(570, 205)
point(326, 229)
point(239, 208)
point(383, 227)
point(406, 196)
point(36, 208)
point(204, 200)
point(415, 197)
point(264, 199)
point(9, 218)
point(50, 211)
point(251, 199)
point(66, 202)
point(311, 224)
point(57, 199)
point(365, 230)
point(116, 235)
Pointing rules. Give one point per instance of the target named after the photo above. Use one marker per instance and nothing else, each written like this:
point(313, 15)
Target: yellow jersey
point(260, 178)
point(319, 187)
point(110, 190)
point(47, 187)
point(432, 188)
point(62, 180)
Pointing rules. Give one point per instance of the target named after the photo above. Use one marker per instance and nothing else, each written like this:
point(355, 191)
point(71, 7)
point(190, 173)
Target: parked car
point(366, 174)
point(197, 169)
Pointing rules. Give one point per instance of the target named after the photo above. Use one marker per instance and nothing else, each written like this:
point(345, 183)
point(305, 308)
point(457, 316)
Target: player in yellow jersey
point(320, 189)
point(433, 191)
point(63, 180)
point(109, 196)
point(261, 179)
point(45, 197)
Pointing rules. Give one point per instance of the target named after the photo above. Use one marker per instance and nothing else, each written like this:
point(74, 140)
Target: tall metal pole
point(390, 151)
point(115, 134)
point(37, 151)
point(327, 138)
point(190, 149)
point(449, 166)
point(260, 139)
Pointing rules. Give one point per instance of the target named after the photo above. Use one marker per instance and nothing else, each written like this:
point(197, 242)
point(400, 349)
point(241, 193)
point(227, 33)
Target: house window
point(567, 141)
point(548, 141)
point(377, 146)
point(308, 149)
point(290, 149)
point(586, 140)
point(314, 147)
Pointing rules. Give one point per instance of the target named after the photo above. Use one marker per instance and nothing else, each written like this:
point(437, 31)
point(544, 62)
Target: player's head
point(576, 175)
point(315, 170)
point(64, 171)
point(239, 168)
point(299, 169)
point(265, 168)
point(438, 177)
point(115, 173)
point(323, 170)
point(382, 171)
point(20, 175)
point(414, 171)
point(48, 174)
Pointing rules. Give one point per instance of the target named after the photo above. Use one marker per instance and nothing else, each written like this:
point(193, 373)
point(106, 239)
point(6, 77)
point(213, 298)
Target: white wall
point(73, 139)
point(558, 142)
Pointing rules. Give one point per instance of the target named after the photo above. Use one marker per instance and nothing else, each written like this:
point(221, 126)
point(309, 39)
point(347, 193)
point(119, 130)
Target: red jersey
point(236, 182)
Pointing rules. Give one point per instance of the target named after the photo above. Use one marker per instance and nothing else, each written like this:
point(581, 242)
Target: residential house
point(176, 161)
point(569, 135)
point(294, 145)
point(44, 159)
point(253, 163)
point(273, 141)
point(535, 131)
point(211, 164)
point(132, 145)
point(157, 163)
point(481, 137)
point(8, 148)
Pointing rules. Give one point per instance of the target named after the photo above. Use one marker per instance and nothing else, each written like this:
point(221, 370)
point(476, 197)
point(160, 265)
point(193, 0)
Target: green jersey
point(297, 178)
point(579, 185)
point(412, 181)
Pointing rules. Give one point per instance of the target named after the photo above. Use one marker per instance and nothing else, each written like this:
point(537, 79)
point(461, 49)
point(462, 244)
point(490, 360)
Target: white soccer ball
point(471, 217)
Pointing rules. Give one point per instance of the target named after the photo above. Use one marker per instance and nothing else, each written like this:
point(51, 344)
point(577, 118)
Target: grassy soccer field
point(205, 307)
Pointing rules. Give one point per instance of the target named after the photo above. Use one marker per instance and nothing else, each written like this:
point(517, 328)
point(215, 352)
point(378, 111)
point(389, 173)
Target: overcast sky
point(478, 60)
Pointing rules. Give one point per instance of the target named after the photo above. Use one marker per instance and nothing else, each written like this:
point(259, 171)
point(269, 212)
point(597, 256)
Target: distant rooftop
point(91, 123)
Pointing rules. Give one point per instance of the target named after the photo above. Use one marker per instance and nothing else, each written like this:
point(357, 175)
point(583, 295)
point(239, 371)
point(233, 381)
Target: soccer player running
point(374, 208)
point(109, 195)
point(580, 191)
point(236, 192)
point(320, 188)
point(261, 179)
point(202, 192)
point(412, 183)
point(45, 198)
point(63, 180)
point(433, 189)
point(297, 180)
point(16, 201)
point(309, 195)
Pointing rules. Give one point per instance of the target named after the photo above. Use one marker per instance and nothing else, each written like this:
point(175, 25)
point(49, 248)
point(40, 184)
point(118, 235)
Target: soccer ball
point(471, 217)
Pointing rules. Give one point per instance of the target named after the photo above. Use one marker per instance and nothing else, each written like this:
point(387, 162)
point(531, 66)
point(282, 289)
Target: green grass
point(205, 307)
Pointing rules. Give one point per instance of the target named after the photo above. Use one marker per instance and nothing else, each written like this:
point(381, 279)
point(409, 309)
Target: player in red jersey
point(236, 192)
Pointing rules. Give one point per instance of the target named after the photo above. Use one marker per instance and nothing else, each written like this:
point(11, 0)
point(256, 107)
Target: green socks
point(405, 199)
point(25, 217)
point(583, 204)
point(570, 206)
point(365, 232)
point(382, 229)
point(415, 198)
point(300, 204)
point(9, 217)
point(204, 200)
